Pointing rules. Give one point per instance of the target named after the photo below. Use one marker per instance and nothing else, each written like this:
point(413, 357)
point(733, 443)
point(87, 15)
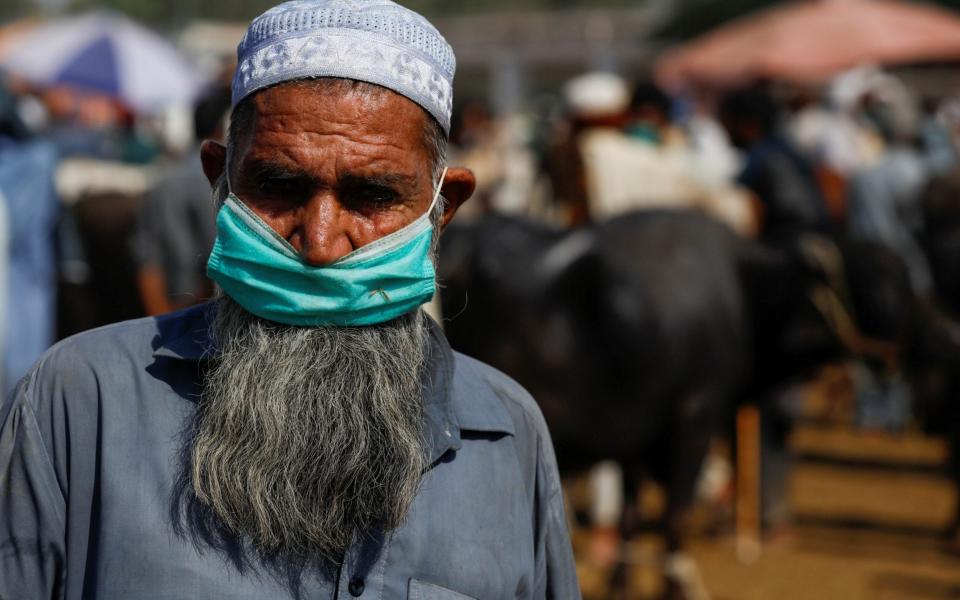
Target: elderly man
point(310, 434)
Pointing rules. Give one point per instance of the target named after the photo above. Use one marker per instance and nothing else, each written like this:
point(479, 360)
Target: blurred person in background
point(594, 102)
point(934, 135)
point(829, 130)
point(886, 207)
point(792, 210)
point(310, 433)
point(12, 122)
point(32, 210)
point(11, 128)
point(497, 149)
point(474, 144)
point(828, 138)
point(884, 196)
point(176, 224)
point(630, 164)
point(692, 149)
point(640, 160)
point(780, 177)
point(716, 161)
point(88, 124)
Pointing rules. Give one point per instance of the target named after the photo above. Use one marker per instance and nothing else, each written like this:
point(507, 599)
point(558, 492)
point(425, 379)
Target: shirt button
point(356, 587)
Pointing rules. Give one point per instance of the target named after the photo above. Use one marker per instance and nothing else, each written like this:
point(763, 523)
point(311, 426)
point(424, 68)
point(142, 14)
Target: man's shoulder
point(122, 348)
point(490, 402)
point(480, 373)
point(486, 397)
point(94, 346)
point(140, 336)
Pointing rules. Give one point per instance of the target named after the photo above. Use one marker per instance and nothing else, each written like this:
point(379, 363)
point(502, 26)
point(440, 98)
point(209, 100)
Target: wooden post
point(748, 484)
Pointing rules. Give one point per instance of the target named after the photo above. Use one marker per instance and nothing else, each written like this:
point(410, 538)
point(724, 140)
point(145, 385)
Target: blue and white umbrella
point(109, 54)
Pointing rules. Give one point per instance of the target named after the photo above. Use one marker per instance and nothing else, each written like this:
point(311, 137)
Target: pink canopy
point(808, 41)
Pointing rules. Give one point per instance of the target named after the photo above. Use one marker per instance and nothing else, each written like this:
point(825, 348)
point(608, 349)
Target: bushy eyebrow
point(267, 169)
point(385, 180)
point(274, 170)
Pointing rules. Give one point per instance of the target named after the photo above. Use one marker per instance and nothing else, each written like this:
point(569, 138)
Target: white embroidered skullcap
point(596, 94)
point(377, 41)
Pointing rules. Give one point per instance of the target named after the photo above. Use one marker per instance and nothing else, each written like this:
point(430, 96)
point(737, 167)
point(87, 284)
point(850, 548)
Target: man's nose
point(322, 232)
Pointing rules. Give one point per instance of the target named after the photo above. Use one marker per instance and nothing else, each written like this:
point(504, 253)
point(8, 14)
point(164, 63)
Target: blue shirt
point(27, 187)
point(89, 447)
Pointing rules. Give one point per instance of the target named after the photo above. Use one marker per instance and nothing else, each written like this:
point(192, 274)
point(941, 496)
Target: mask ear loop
point(436, 193)
point(226, 171)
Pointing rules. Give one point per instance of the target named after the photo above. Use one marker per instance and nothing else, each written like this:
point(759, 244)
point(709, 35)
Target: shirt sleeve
point(557, 573)
point(32, 507)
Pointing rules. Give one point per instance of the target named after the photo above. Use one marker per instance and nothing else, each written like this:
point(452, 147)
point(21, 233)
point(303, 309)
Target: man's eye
point(373, 195)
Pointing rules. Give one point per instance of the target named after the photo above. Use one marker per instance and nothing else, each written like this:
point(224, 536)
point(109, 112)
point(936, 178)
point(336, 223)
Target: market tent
point(809, 41)
point(108, 54)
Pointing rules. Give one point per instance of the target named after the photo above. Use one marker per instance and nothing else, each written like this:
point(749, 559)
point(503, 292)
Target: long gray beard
point(309, 437)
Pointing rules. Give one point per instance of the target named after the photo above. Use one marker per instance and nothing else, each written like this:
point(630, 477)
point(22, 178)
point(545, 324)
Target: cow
point(638, 335)
point(940, 396)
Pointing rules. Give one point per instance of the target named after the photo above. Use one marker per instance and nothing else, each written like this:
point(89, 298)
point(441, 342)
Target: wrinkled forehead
point(305, 112)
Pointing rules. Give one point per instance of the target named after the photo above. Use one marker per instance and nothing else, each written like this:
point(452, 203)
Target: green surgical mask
point(378, 282)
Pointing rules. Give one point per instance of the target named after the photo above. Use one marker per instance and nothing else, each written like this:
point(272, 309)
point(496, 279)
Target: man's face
point(334, 168)
point(333, 171)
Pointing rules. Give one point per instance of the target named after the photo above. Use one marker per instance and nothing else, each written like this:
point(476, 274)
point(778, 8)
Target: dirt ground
point(867, 511)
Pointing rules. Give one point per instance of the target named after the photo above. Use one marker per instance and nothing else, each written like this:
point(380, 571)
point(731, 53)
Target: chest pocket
point(421, 590)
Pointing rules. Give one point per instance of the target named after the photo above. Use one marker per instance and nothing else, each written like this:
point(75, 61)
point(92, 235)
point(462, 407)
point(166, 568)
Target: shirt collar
point(465, 403)
point(184, 335)
point(441, 422)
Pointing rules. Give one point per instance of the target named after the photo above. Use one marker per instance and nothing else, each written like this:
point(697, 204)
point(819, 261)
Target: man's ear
point(213, 155)
point(457, 188)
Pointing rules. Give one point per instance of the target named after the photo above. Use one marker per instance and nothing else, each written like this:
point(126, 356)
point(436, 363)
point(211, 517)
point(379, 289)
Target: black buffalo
point(938, 369)
point(636, 336)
